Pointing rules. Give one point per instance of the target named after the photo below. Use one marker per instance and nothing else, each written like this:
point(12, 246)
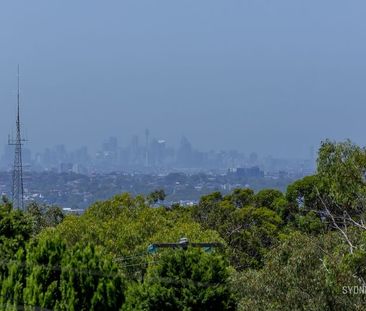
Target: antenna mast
point(18, 189)
point(147, 133)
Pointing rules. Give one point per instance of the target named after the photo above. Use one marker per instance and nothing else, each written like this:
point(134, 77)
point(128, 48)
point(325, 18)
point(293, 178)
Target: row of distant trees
point(303, 249)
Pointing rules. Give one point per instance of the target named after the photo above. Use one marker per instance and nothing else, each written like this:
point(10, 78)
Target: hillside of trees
point(303, 249)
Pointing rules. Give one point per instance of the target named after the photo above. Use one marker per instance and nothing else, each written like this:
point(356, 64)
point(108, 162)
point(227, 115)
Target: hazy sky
point(273, 76)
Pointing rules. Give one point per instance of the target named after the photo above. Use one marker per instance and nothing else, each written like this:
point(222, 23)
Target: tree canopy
point(302, 249)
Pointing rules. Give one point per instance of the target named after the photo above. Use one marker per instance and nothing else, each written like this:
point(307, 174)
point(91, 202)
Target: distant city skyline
point(173, 144)
point(309, 153)
point(275, 77)
point(152, 156)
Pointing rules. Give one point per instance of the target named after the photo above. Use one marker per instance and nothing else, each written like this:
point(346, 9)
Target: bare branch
point(357, 224)
point(335, 224)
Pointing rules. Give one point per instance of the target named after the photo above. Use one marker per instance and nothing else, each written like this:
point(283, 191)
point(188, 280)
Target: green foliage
point(338, 188)
point(304, 193)
point(43, 263)
point(241, 197)
point(310, 223)
point(300, 274)
point(53, 277)
point(12, 282)
point(356, 261)
point(281, 250)
point(204, 212)
point(89, 281)
point(341, 169)
point(156, 196)
point(15, 230)
point(248, 231)
point(183, 280)
point(267, 198)
point(249, 234)
point(44, 216)
point(284, 210)
point(124, 226)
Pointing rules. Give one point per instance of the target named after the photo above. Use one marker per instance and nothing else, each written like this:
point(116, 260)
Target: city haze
point(274, 77)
